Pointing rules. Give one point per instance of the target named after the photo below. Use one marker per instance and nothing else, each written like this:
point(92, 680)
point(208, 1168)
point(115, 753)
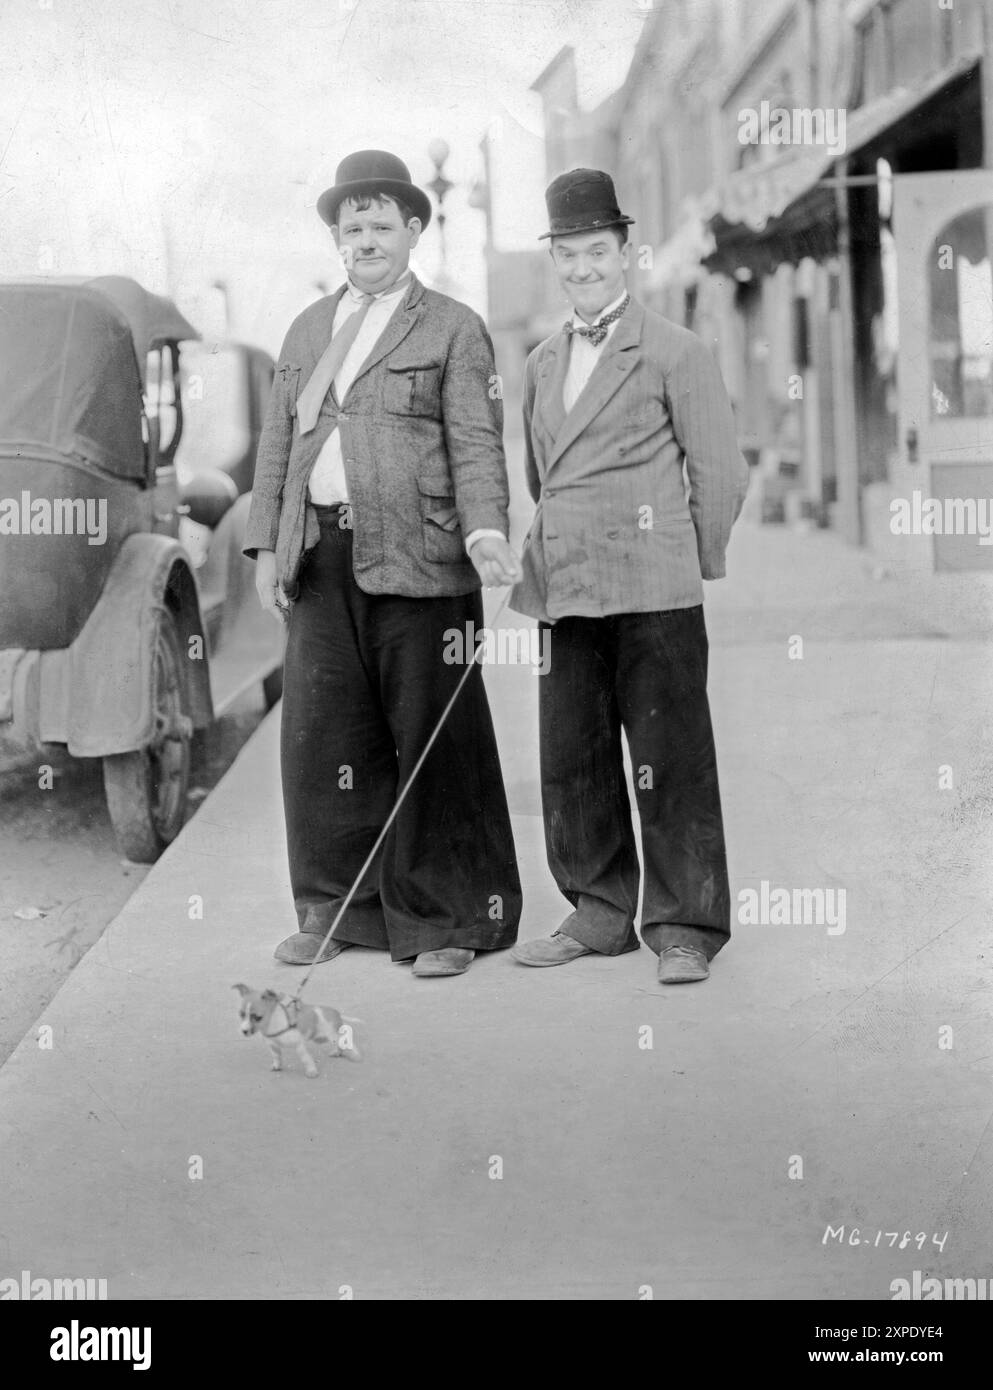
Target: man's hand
point(495, 562)
point(270, 592)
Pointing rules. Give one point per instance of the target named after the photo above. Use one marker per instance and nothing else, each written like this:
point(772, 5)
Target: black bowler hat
point(583, 200)
point(360, 173)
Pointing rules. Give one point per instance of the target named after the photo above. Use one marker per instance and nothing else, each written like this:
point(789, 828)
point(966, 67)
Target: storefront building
point(812, 183)
point(863, 275)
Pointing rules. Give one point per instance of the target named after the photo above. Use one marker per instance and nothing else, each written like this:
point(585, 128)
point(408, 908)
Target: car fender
point(97, 696)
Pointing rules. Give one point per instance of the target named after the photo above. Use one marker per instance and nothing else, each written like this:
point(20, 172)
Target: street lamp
point(438, 152)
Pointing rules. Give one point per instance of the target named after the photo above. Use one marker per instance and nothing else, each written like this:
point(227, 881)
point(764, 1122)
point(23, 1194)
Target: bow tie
point(596, 332)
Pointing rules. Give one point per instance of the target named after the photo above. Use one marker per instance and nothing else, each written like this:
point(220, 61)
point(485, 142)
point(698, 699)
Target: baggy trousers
point(364, 684)
point(645, 673)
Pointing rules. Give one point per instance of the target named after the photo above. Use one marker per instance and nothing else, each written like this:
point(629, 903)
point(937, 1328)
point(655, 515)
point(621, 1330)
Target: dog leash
point(295, 996)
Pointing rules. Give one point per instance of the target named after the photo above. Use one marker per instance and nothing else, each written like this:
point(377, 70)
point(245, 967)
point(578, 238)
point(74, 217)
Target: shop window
point(961, 325)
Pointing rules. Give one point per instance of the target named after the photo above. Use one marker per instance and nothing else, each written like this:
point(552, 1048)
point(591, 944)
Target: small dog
point(288, 1023)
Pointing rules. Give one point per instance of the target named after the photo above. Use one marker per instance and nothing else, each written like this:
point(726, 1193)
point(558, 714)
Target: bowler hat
point(366, 170)
point(583, 200)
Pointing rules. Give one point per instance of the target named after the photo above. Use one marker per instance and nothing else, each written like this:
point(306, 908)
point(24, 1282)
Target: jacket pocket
point(442, 532)
point(410, 389)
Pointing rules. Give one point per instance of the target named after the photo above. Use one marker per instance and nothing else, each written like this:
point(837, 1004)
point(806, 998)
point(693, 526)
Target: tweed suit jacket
point(422, 443)
point(638, 485)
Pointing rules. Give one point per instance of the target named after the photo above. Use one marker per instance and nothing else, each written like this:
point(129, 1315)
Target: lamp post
point(438, 152)
point(479, 194)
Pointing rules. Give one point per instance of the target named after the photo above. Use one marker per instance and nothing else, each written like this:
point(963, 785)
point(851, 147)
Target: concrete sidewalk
point(511, 1134)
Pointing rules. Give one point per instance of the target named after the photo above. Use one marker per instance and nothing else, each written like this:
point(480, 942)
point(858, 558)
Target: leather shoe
point(678, 965)
point(557, 949)
point(450, 960)
point(302, 947)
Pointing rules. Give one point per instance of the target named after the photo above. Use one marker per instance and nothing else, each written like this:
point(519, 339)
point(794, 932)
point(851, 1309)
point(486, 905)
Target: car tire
point(146, 789)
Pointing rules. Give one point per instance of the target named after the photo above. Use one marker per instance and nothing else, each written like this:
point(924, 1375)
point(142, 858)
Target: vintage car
point(128, 614)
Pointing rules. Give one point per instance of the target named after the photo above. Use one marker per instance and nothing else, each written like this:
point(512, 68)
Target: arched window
point(960, 338)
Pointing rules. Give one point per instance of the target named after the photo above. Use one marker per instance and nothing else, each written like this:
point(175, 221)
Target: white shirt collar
point(581, 323)
point(397, 288)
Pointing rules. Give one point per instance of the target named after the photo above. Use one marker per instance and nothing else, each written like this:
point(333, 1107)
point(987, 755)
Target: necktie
point(596, 332)
point(311, 398)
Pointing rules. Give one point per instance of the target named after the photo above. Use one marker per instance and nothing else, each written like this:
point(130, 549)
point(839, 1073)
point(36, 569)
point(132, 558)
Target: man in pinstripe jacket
point(632, 460)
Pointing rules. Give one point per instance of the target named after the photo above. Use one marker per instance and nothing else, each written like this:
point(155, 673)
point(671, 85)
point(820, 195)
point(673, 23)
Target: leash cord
point(294, 997)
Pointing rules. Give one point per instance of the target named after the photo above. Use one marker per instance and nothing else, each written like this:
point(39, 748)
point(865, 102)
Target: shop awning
point(679, 260)
point(780, 211)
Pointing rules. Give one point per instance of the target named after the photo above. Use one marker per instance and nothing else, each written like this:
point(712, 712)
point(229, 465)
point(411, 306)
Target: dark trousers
point(645, 673)
point(364, 684)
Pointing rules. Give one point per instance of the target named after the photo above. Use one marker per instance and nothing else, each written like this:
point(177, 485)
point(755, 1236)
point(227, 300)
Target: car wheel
point(146, 789)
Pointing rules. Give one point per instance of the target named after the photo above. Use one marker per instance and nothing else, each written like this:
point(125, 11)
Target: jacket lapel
point(551, 381)
point(319, 349)
point(618, 357)
point(396, 330)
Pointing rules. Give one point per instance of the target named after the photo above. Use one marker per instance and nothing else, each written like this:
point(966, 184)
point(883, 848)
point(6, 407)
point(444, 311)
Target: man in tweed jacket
point(422, 444)
point(632, 460)
point(379, 505)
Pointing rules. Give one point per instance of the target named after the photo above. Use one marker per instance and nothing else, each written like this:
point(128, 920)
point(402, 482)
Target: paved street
point(59, 855)
point(511, 1134)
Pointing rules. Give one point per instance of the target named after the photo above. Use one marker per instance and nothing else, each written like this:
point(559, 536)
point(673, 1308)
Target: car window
point(160, 395)
point(216, 409)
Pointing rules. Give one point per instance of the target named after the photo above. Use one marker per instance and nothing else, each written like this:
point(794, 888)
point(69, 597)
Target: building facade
point(812, 183)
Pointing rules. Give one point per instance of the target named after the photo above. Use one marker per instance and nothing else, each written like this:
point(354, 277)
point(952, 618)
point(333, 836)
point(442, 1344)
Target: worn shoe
point(450, 960)
point(557, 949)
point(302, 947)
point(678, 965)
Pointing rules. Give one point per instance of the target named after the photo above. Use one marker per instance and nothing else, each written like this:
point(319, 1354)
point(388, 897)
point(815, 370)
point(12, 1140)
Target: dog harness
point(290, 1023)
